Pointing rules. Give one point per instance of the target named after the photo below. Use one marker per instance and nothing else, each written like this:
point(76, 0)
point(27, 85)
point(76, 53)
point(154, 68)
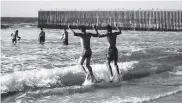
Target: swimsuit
point(112, 53)
point(87, 53)
point(42, 39)
point(65, 41)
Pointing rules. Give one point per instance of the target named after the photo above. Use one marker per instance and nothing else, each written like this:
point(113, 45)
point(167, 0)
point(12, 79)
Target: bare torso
point(42, 34)
point(111, 40)
point(85, 41)
point(13, 36)
point(65, 35)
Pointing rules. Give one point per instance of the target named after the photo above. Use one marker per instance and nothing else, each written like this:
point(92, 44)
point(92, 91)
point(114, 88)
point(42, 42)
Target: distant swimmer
point(112, 54)
point(65, 37)
point(86, 50)
point(41, 36)
point(15, 36)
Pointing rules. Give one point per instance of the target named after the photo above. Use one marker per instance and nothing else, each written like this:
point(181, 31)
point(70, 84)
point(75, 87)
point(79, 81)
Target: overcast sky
point(30, 8)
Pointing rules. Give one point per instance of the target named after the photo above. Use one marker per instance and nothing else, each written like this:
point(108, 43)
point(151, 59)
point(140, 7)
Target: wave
point(89, 88)
point(68, 76)
point(177, 71)
point(67, 90)
point(20, 25)
point(144, 69)
point(142, 99)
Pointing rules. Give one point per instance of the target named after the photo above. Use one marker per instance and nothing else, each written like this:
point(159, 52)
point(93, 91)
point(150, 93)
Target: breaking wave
point(67, 76)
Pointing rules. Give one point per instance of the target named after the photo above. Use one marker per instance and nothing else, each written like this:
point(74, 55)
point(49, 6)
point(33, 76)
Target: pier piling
point(157, 20)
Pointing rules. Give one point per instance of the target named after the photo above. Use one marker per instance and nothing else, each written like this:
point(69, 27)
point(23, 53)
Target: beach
point(150, 62)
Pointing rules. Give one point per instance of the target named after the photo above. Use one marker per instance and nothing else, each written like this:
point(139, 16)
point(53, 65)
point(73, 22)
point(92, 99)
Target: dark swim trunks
point(87, 53)
point(14, 40)
point(112, 53)
point(42, 39)
point(65, 42)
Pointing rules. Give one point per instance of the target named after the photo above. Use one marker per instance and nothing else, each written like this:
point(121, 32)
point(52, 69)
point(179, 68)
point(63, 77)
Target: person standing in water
point(15, 36)
point(86, 50)
point(112, 54)
point(41, 36)
point(65, 37)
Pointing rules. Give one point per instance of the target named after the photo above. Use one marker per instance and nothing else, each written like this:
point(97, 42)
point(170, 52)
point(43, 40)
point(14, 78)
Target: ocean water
point(150, 62)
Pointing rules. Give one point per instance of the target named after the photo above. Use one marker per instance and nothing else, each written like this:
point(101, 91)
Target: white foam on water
point(177, 71)
point(20, 80)
point(87, 82)
point(116, 99)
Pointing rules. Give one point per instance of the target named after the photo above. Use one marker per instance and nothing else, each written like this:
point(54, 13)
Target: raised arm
point(96, 32)
point(118, 32)
point(103, 35)
point(93, 35)
point(75, 34)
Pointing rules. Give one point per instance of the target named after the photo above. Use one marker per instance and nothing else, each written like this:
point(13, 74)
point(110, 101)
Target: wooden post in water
point(159, 19)
point(164, 26)
point(172, 21)
point(150, 19)
point(180, 17)
point(156, 19)
point(139, 19)
point(128, 19)
point(167, 20)
point(178, 20)
point(153, 17)
point(175, 20)
point(162, 20)
point(170, 17)
point(123, 21)
point(152, 26)
point(172, 26)
point(146, 19)
point(97, 20)
point(134, 19)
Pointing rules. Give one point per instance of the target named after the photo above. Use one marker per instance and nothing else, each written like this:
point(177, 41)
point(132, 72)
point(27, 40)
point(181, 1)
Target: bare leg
point(14, 41)
point(82, 59)
point(116, 65)
point(109, 67)
point(90, 68)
